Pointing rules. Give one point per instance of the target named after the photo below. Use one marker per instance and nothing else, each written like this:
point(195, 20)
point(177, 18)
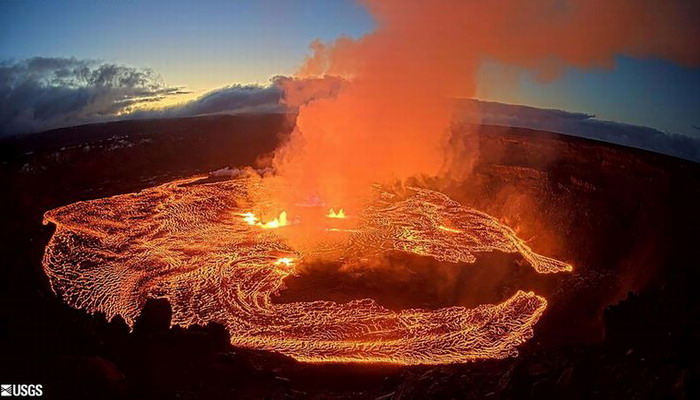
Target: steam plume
point(390, 119)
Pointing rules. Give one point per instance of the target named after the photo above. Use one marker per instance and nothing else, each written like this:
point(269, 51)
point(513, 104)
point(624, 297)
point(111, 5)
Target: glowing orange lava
point(193, 244)
point(251, 219)
point(332, 214)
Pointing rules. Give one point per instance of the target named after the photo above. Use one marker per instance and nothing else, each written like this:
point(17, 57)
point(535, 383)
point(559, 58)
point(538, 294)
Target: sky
point(650, 92)
point(200, 44)
point(204, 45)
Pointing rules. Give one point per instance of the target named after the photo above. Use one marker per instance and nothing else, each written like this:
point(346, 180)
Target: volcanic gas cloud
point(390, 118)
point(372, 112)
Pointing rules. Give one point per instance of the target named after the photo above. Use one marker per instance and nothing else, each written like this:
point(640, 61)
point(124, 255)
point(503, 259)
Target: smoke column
point(390, 118)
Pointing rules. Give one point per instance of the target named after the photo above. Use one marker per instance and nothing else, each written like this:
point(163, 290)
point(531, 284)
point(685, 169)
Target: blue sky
point(650, 92)
point(204, 45)
point(201, 44)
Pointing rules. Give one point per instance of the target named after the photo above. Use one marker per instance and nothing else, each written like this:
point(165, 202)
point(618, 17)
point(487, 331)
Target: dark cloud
point(282, 94)
point(235, 98)
point(581, 125)
point(42, 93)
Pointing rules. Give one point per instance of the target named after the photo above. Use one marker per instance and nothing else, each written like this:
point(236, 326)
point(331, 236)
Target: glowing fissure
point(332, 214)
point(251, 219)
point(193, 245)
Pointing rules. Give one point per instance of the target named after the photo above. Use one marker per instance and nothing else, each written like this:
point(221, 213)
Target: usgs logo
point(20, 390)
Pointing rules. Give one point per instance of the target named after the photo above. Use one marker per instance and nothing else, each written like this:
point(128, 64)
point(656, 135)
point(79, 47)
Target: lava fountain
point(202, 246)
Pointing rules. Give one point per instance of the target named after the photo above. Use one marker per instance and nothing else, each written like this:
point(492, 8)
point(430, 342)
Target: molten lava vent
point(198, 246)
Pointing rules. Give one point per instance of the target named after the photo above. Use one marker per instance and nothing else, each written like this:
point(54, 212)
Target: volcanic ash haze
point(390, 118)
